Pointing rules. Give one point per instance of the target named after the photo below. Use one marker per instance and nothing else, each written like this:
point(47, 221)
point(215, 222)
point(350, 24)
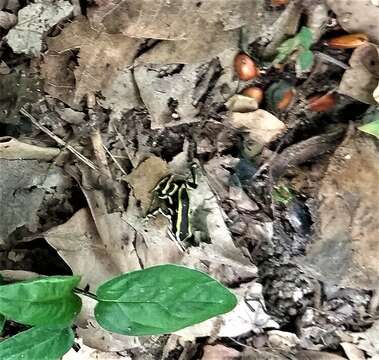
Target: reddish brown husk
point(254, 92)
point(279, 2)
point(350, 41)
point(286, 100)
point(245, 67)
point(322, 103)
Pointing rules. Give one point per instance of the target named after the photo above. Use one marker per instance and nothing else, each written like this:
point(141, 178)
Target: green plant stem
point(85, 293)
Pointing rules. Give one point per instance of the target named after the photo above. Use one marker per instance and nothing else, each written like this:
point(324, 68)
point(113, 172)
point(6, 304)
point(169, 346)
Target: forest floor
point(273, 104)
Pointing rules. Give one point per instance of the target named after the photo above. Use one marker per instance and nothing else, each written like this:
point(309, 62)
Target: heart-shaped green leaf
point(37, 344)
point(160, 300)
point(44, 301)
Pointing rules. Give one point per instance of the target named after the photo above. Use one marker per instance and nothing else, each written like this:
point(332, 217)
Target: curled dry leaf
point(357, 16)
point(360, 81)
point(34, 20)
point(261, 126)
point(12, 149)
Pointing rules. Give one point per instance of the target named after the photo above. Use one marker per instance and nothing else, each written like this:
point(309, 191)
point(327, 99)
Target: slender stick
point(85, 293)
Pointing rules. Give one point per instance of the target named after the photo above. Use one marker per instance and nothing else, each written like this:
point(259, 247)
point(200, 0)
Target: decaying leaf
point(357, 16)
point(23, 184)
point(261, 126)
point(282, 340)
point(34, 21)
point(361, 79)
point(101, 56)
point(346, 250)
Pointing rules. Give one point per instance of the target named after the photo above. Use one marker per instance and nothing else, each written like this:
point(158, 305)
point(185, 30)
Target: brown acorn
point(245, 67)
point(349, 41)
point(322, 103)
point(254, 92)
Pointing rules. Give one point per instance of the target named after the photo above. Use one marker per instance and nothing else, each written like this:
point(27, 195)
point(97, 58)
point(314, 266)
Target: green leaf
point(2, 322)
point(305, 37)
point(159, 300)
point(305, 60)
point(37, 344)
point(301, 41)
point(371, 128)
point(44, 301)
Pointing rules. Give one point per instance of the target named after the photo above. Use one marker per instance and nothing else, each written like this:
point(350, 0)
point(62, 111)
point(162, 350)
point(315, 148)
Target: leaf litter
point(138, 90)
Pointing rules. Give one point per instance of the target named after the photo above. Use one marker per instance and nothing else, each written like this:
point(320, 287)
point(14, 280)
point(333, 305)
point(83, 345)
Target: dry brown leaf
point(317, 355)
point(101, 55)
point(177, 19)
point(145, 177)
point(262, 126)
point(357, 16)
point(352, 351)
point(7, 20)
point(360, 81)
point(59, 77)
point(94, 258)
point(347, 249)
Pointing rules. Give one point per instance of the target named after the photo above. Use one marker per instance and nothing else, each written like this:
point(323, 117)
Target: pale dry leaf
point(317, 355)
point(12, 149)
point(34, 20)
point(161, 94)
point(352, 351)
point(87, 353)
point(219, 352)
point(7, 20)
point(145, 177)
point(261, 126)
point(95, 258)
point(376, 94)
point(361, 79)
point(357, 16)
point(283, 340)
point(101, 56)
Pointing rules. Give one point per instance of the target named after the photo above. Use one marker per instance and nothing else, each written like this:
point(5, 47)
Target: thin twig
point(115, 160)
point(44, 129)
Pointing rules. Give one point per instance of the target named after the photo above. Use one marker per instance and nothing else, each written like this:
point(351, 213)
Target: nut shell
point(245, 67)
point(350, 41)
point(254, 92)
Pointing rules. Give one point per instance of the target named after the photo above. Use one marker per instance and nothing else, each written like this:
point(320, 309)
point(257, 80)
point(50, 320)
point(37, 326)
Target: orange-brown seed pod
point(279, 2)
point(254, 92)
point(322, 103)
point(286, 99)
point(245, 67)
point(350, 41)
